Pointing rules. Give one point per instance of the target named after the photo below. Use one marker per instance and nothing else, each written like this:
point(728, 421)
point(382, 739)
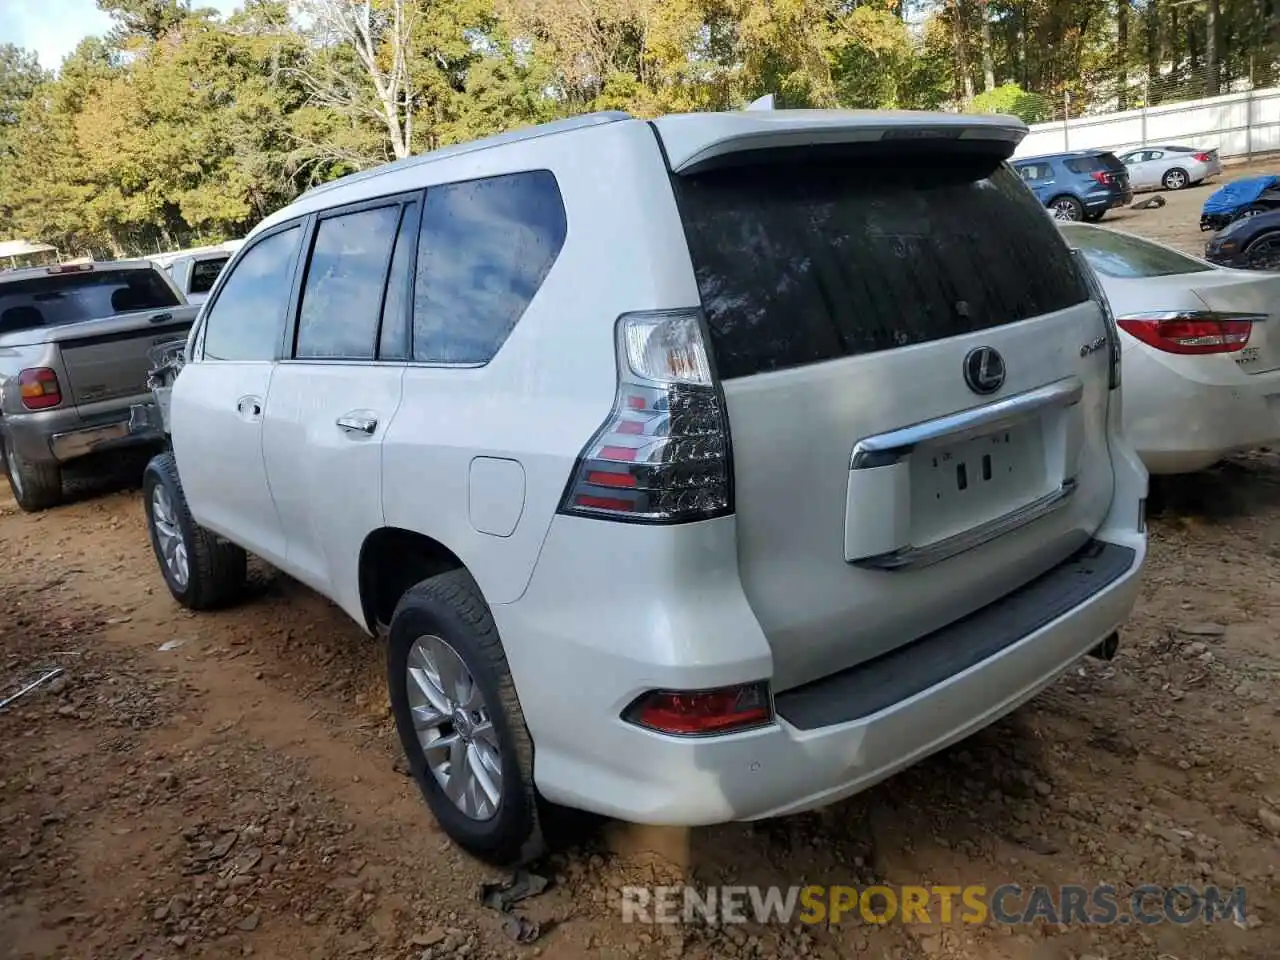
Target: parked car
point(73, 360)
point(1250, 243)
point(1242, 198)
point(193, 274)
point(793, 461)
point(1201, 360)
point(1082, 185)
point(1170, 168)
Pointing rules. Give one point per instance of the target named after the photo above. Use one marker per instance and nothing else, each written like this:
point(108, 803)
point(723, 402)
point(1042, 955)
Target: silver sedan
point(1170, 167)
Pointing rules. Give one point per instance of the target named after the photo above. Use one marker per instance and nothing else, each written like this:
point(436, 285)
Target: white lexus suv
point(703, 469)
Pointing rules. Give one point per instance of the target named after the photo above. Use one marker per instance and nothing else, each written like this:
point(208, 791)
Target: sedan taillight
point(1202, 157)
point(1191, 332)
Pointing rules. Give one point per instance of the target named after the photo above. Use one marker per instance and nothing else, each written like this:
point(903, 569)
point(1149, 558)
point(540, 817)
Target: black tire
point(1175, 178)
point(1066, 207)
point(217, 570)
point(1263, 252)
point(450, 606)
point(35, 486)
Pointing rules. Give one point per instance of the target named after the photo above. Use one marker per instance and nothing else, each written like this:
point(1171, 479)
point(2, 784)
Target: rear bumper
point(1106, 200)
point(1179, 423)
point(577, 663)
point(60, 436)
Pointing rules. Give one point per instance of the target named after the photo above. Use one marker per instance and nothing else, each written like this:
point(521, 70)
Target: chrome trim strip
point(886, 449)
point(1165, 315)
point(951, 546)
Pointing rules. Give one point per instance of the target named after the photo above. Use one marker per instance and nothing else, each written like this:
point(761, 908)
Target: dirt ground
point(227, 784)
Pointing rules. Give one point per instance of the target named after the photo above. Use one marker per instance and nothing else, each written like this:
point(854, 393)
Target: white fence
point(1238, 124)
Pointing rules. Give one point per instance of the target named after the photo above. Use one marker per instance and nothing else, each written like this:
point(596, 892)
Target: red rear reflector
point(1192, 333)
point(703, 712)
point(603, 478)
point(604, 503)
point(39, 388)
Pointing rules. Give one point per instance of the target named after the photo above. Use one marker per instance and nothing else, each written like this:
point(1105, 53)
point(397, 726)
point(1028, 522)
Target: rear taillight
point(1103, 177)
point(1099, 296)
point(1191, 331)
point(662, 456)
point(1202, 157)
point(703, 712)
point(40, 389)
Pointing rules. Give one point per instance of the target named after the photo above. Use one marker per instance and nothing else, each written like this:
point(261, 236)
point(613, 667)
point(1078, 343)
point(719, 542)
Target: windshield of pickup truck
point(74, 297)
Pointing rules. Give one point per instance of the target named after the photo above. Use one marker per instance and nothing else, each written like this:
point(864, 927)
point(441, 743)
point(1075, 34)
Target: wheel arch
point(392, 560)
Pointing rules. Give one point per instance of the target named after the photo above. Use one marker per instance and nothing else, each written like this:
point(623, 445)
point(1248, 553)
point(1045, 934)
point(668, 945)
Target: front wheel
point(460, 721)
point(1066, 208)
point(201, 570)
point(1175, 179)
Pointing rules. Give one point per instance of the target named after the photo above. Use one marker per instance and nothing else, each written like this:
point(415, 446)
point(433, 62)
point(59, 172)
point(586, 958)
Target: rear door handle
point(355, 423)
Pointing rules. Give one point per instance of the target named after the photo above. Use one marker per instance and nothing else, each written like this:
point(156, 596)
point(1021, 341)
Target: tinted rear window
point(802, 263)
point(73, 297)
point(204, 272)
point(1101, 161)
point(1120, 255)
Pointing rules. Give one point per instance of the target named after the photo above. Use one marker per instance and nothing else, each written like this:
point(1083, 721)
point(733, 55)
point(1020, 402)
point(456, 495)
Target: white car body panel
point(786, 588)
point(1184, 413)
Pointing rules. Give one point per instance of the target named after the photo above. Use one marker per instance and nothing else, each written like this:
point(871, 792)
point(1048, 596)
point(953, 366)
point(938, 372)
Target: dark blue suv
point(1081, 185)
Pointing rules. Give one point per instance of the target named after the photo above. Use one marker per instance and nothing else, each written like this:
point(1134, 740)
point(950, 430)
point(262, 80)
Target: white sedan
point(1200, 358)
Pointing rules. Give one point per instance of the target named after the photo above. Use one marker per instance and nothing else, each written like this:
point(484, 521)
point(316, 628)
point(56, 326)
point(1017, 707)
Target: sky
point(53, 28)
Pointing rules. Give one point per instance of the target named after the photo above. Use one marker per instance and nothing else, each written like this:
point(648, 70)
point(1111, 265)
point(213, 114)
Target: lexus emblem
point(984, 370)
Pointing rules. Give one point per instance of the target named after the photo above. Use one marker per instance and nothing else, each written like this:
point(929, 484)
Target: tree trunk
point(962, 53)
point(1122, 54)
point(1212, 18)
point(988, 64)
point(1153, 41)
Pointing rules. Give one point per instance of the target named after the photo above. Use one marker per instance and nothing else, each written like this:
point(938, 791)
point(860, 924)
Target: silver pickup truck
point(75, 343)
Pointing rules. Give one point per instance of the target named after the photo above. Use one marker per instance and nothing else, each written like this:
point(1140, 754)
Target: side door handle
point(357, 423)
point(249, 408)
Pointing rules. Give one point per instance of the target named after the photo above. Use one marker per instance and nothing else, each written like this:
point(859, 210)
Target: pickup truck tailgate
point(108, 366)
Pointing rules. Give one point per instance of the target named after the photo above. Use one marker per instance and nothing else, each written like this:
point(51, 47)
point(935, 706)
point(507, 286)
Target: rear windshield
point(806, 262)
point(1122, 256)
point(1101, 161)
point(73, 297)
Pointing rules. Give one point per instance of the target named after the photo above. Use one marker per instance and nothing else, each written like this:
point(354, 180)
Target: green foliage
point(183, 127)
point(1012, 99)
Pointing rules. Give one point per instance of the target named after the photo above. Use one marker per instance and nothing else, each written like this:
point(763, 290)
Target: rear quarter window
point(810, 261)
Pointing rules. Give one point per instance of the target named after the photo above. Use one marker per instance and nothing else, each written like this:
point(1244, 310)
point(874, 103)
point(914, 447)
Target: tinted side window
point(393, 342)
point(483, 251)
point(203, 273)
point(808, 261)
point(342, 297)
point(247, 319)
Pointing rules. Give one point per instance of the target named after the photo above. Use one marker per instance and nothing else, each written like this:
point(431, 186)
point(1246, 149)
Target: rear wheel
point(1264, 252)
point(36, 486)
point(460, 721)
point(201, 570)
point(1066, 208)
point(1176, 179)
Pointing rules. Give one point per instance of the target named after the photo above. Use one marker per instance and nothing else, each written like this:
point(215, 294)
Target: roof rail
point(471, 146)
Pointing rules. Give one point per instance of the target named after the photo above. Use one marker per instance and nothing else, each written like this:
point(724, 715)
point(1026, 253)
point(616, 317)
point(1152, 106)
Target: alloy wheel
point(455, 728)
point(173, 546)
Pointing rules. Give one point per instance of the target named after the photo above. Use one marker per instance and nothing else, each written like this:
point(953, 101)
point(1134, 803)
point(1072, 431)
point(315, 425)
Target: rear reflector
point(39, 388)
point(703, 712)
point(1191, 332)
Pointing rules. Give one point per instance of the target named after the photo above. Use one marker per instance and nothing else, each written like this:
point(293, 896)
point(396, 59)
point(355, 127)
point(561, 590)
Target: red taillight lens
point(1202, 157)
point(1102, 177)
point(662, 456)
point(1191, 332)
point(40, 388)
point(703, 712)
